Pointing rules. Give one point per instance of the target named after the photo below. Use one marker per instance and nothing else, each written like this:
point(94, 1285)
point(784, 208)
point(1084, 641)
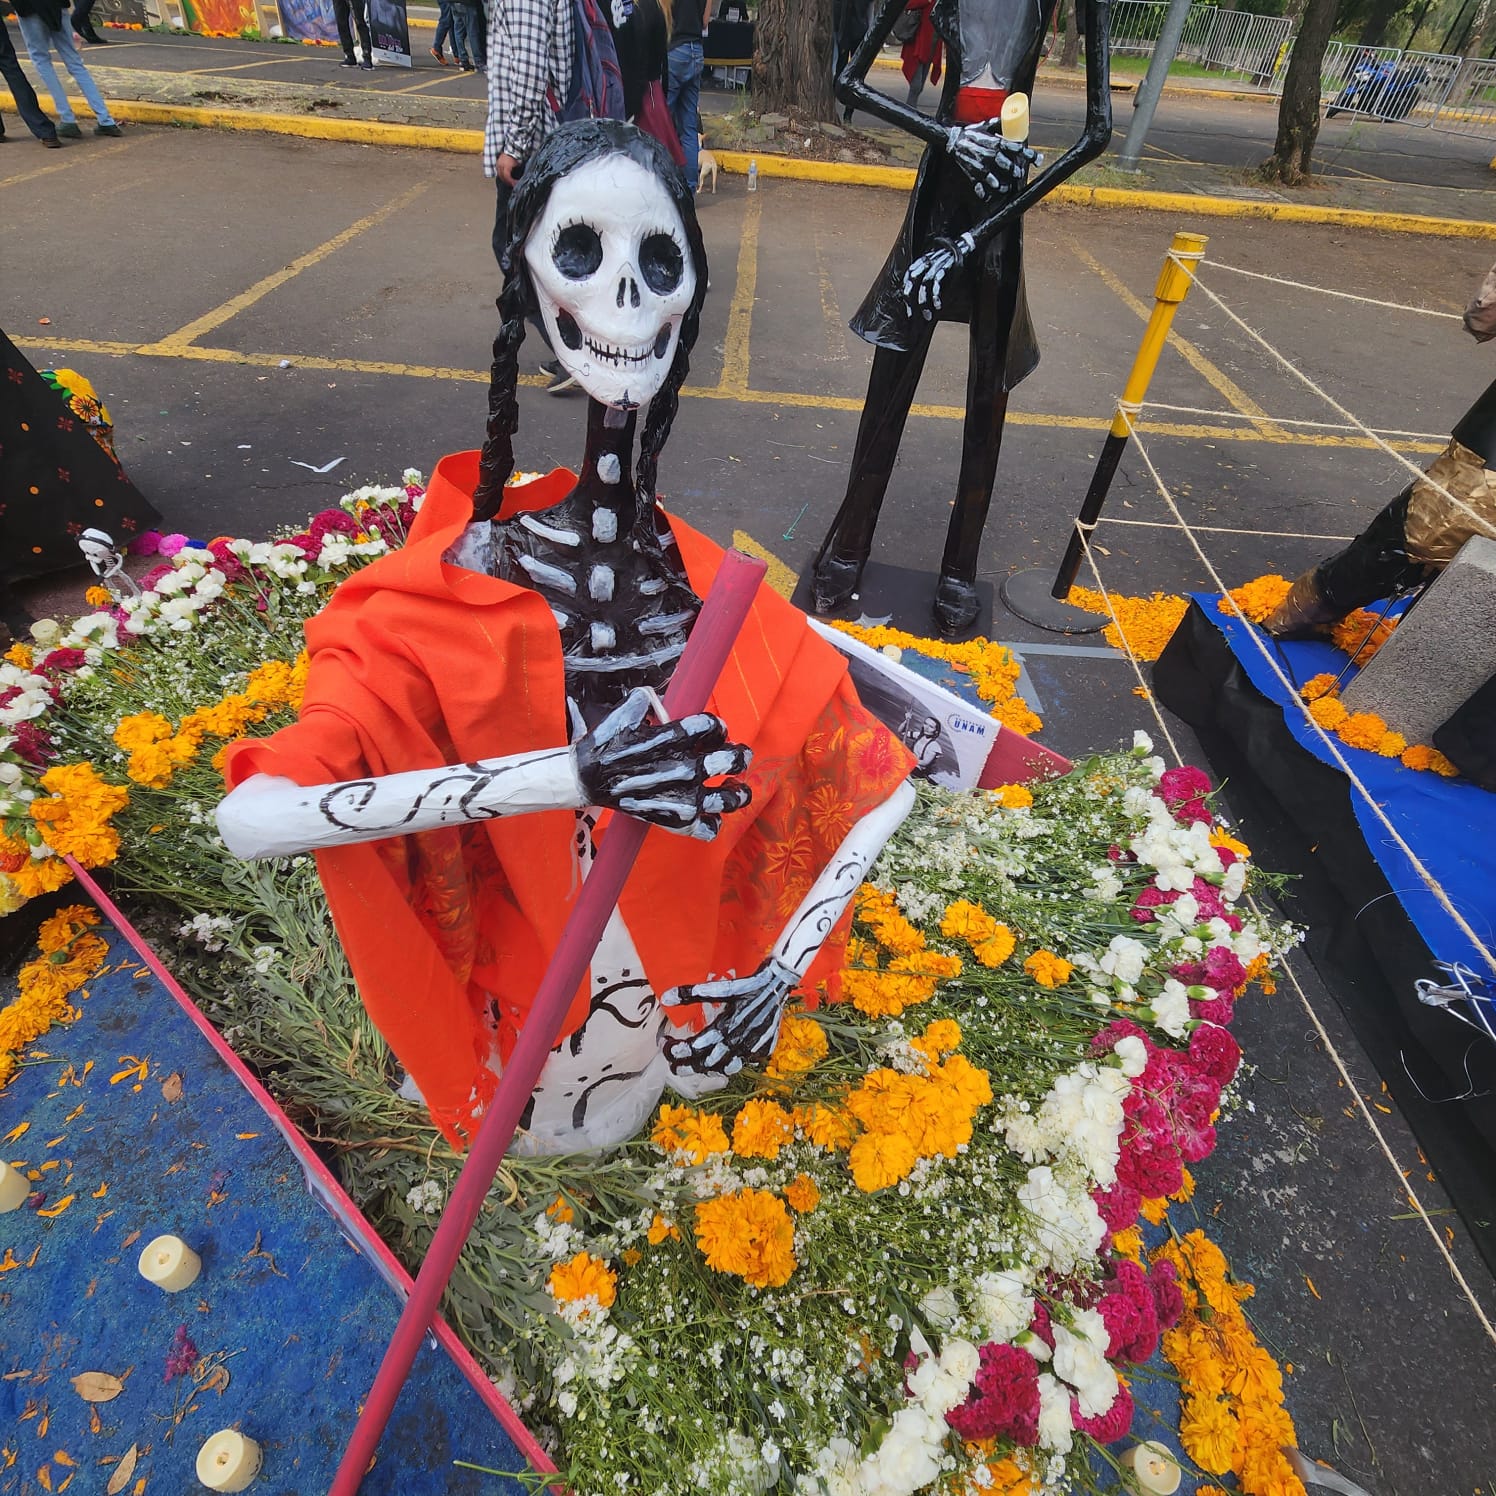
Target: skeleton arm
point(753, 1005)
point(852, 86)
point(655, 771)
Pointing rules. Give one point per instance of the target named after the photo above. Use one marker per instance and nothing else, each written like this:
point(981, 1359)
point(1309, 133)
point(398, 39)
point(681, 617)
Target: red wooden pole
point(722, 616)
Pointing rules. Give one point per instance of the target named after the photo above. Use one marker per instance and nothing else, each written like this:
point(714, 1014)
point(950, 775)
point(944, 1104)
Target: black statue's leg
point(890, 393)
point(981, 442)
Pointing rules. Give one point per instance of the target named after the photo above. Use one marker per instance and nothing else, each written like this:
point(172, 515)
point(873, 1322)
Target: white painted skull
point(613, 275)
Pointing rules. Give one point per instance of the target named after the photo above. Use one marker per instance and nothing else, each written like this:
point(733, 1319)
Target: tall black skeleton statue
point(958, 258)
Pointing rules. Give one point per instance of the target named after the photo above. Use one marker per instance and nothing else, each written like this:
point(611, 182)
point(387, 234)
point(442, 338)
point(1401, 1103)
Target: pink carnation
point(331, 521)
point(61, 662)
point(1148, 900)
point(1213, 1010)
point(154, 575)
point(1168, 1298)
point(1214, 1053)
point(226, 561)
point(1113, 1034)
point(1112, 1424)
point(148, 544)
point(1118, 1206)
point(1176, 786)
point(32, 743)
point(1132, 1319)
point(171, 544)
point(1041, 1325)
point(1004, 1400)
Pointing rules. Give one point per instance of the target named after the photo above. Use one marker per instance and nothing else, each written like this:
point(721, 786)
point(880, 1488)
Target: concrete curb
point(835, 173)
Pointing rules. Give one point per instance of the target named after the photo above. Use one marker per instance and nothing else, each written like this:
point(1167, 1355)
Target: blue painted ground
point(295, 1317)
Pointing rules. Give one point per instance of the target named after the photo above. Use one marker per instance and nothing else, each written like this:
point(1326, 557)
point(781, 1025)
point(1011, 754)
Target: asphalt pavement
point(247, 304)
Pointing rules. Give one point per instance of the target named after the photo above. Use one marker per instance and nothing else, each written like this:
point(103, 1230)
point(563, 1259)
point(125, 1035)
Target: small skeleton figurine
point(108, 564)
point(959, 257)
point(594, 590)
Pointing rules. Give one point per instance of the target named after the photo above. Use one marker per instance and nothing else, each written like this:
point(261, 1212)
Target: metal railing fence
point(1234, 43)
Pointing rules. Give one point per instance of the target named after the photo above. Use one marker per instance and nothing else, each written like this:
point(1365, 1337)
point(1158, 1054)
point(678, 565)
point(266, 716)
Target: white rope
point(1482, 523)
point(1329, 742)
point(1240, 415)
point(1391, 306)
point(1319, 1028)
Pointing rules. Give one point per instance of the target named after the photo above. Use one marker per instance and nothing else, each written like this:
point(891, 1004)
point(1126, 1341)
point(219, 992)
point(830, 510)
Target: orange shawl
point(418, 664)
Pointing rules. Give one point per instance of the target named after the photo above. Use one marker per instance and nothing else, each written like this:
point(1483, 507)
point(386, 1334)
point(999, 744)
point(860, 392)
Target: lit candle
point(171, 1265)
point(228, 1461)
point(1156, 1470)
point(14, 1187)
point(1016, 117)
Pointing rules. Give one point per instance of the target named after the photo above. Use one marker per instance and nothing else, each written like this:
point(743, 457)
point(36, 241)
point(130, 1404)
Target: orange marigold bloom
point(802, 1194)
point(1257, 598)
point(1008, 1478)
point(967, 1085)
point(662, 1230)
point(98, 597)
point(966, 921)
point(749, 1234)
point(1129, 1244)
point(1210, 1434)
point(801, 1046)
point(1328, 712)
point(682, 1130)
point(1013, 796)
point(761, 1129)
point(1154, 1211)
point(1048, 969)
point(22, 655)
point(1317, 686)
point(879, 1159)
point(992, 953)
point(559, 1210)
point(584, 1277)
point(1362, 730)
point(825, 1126)
point(1361, 634)
point(939, 1038)
point(1146, 623)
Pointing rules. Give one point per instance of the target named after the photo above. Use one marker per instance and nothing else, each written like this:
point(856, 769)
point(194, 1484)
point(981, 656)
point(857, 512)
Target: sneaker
point(469, 67)
point(70, 131)
point(51, 142)
point(367, 65)
point(110, 129)
point(561, 380)
point(349, 62)
point(441, 61)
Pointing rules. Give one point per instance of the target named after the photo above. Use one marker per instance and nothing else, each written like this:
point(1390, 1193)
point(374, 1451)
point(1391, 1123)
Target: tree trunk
point(1070, 51)
point(1378, 18)
point(1298, 115)
point(792, 68)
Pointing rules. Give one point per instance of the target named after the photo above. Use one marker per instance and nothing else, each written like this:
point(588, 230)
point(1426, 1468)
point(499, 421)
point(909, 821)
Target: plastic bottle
point(753, 174)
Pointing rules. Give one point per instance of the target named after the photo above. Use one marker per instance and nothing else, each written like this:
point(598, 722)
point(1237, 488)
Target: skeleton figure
point(958, 258)
point(107, 563)
point(605, 246)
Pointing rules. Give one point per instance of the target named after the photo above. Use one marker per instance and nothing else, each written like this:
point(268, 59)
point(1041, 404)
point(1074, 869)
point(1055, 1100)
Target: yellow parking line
point(66, 160)
point(261, 288)
point(241, 67)
point(779, 576)
point(442, 77)
point(1216, 377)
point(740, 314)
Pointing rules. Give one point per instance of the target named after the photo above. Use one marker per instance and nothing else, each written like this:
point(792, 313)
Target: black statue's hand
point(925, 278)
point(658, 771)
point(743, 1032)
point(996, 166)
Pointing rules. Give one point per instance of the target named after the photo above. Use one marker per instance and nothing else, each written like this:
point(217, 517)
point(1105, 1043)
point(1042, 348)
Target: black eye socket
point(578, 252)
point(661, 263)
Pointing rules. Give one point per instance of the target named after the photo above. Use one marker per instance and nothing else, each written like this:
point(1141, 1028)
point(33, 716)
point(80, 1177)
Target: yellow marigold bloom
point(661, 1230)
point(584, 1277)
point(1048, 969)
point(1007, 1478)
point(883, 1100)
point(1219, 838)
point(682, 1130)
point(1210, 1434)
point(967, 1085)
point(1258, 598)
point(73, 817)
point(1147, 623)
point(141, 729)
point(939, 1038)
point(992, 953)
point(1361, 730)
point(825, 1126)
point(1013, 796)
point(749, 1234)
point(1255, 1378)
point(1317, 686)
point(21, 654)
point(1154, 1211)
point(1186, 1191)
point(761, 1129)
point(1266, 1422)
point(632, 1256)
point(801, 1046)
point(1265, 1472)
point(1129, 1244)
point(41, 876)
point(879, 1159)
point(861, 952)
point(1391, 744)
point(151, 766)
point(559, 1210)
point(802, 1194)
point(61, 929)
point(966, 921)
point(98, 597)
point(936, 1128)
point(1328, 712)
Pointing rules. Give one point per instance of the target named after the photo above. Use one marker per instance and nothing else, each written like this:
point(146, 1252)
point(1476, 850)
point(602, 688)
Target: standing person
point(920, 55)
point(849, 23)
point(25, 96)
point(683, 77)
point(641, 36)
point(446, 26)
point(44, 30)
point(529, 75)
point(468, 30)
point(358, 11)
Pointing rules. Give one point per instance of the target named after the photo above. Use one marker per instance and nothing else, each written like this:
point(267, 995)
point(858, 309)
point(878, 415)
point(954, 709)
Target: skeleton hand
point(994, 164)
point(658, 771)
point(743, 1030)
point(925, 277)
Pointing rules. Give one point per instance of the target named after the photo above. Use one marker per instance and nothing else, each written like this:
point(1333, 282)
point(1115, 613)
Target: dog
point(708, 168)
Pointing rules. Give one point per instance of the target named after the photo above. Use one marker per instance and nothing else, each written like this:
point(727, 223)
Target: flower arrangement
point(68, 957)
point(1144, 624)
point(1367, 730)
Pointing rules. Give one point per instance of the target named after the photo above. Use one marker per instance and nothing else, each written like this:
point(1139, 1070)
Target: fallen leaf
point(97, 1386)
point(44, 1477)
point(171, 1087)
point(99, 1193)
point(17, 1131)
point(130, 1240)
point(63, 1458)
point(1310, 1282)
point(217, 1380)
point(14, 1376)
point(243, 1135)
point(57, 1210)
point(44, 322)
point(123, 1471)
point(95, 1423)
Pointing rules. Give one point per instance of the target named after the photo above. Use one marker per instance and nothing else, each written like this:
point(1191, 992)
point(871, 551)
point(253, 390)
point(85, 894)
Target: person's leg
point(480, 22)
point(683, 71)
point(462, 41)
point(342, 11)
point(917, 83)
point(849, 541)
point(72, 59)
point(82, 25)
point(443, 30)
point(22, 92)
point(361, 20)
point(39, 49)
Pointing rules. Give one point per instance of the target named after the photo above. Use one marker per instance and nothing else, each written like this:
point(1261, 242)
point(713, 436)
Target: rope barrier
point(1240, 415)
point(1391, 306)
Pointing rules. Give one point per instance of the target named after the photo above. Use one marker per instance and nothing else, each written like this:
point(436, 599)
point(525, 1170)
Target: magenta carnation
point(1118, 1206)
point(1041, 1325)
point(1168, 1298)
point(171, 544)
point(1148, 900)
point(1175, 786)
point(1004, 1400)
point(148, 544)
point(61, 662)
point(1112, 1424)
point(1213, 1010)
point(226, 561)
point(331, 521)
point(33, 744)
point(1214, 1053)
point(1117, 1030)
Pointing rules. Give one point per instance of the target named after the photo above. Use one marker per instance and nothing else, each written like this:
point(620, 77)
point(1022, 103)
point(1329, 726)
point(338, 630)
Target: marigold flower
point(1361, 634)
point(584, 1277)
point(98, 597)
point(1129, 1244)
point(992, 953)
point(1146, 623)
point(559, 1210)
point(1257, 599)
point(1155, 1209)
point(939, 1038)
point(1317, 686)
point(802, 1194)
point(826, 1126)
point(682, 1130)
point(1328, 712)
point(966, 921)
point(801, 1046)
point(761, 1129)
point(661, 1230)
point(1013, 796)
point(879, 1159)
point(1361, 730)
point(22, 655)
point(1210, 1434)
point(749, 1234)
point(1219, 838)
point(1048, 969)
point(968, 1086)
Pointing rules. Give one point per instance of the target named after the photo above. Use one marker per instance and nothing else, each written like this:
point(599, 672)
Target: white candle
point(228, 1461)
point(1016, 117)
point(1156, 1470)
point(14, 1187)
point(171, 1265)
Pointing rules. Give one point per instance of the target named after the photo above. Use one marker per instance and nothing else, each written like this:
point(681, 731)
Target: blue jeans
point(22, 91)
point(443, 25)
point(467, 40)
point(39, 45)
point(683, 94)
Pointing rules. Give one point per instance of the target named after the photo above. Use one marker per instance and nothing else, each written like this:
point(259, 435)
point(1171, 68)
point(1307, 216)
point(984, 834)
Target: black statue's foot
point(836, 578)
point(955, 607)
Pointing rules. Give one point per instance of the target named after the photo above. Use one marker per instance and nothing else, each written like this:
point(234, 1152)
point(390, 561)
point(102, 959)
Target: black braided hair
point(571, 146)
